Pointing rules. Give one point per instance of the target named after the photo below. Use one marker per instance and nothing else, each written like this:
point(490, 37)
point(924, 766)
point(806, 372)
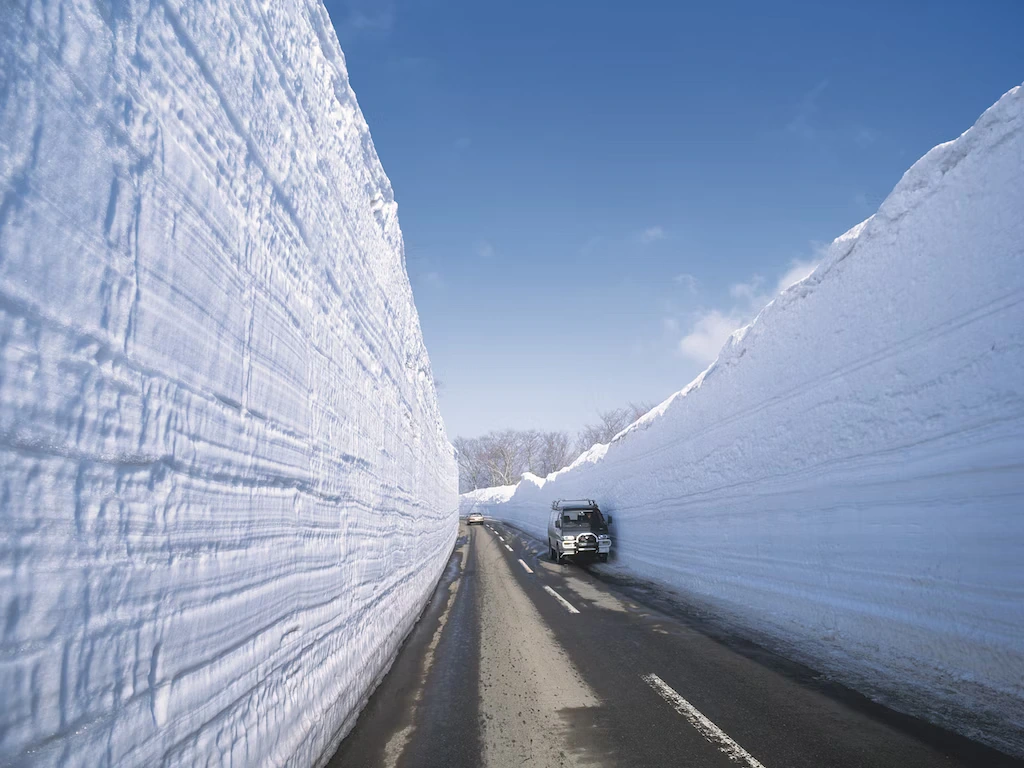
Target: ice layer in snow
point(847, 479)
point(225, 487)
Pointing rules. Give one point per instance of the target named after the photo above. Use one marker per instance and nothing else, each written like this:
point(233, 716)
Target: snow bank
point(848, 476)
point(225, 488)
point(482, 498)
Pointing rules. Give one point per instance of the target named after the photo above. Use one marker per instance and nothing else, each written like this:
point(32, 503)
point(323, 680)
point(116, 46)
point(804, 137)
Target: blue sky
point(593, 193)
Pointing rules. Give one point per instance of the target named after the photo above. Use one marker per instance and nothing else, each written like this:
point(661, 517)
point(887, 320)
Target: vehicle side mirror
point(609, 519)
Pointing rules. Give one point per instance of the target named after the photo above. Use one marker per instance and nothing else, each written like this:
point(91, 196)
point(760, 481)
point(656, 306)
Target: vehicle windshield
point(584, 520)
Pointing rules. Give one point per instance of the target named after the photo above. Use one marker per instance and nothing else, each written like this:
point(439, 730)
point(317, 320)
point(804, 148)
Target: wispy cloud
point(810, 125)
point(485, 250)
point(798, 270)
point(651, 235)
point(802, 124)
point(365, 17)
point(747, 290)
point(624, 240)
point(864, 136)
point(710, 329)
point(688, 281)
point(708, 334)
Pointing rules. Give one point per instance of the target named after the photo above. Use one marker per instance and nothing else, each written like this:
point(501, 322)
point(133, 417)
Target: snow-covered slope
point(848, 476)
point(482, 498)
point(225, 487)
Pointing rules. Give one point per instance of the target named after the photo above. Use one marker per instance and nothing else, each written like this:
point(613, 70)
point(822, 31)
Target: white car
point(475, 517)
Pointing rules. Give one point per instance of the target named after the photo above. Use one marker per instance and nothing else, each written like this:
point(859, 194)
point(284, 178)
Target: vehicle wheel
point(603, 557)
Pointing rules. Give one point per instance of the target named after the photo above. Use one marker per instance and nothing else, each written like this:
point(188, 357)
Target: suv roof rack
point(563, 504)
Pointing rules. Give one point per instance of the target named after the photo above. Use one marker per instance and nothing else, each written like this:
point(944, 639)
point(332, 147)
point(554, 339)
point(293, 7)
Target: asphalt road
point(518, 661)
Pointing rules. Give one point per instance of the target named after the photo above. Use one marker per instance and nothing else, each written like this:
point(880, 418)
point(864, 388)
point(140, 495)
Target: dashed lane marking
point(565, 603)
point(705, 727)
point(508, 547)
point(526, 568)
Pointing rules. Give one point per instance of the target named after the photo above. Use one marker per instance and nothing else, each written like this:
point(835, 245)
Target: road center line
point(707, 729)
point(501, 537)
point(508, 547)
point(525, 566)
point(568, 606)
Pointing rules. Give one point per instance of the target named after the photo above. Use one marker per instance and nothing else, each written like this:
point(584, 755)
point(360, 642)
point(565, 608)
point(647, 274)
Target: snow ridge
point(846, 479)
point(225, 487)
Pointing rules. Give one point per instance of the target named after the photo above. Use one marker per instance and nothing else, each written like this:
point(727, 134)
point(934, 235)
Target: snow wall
point(225, 487)
point(847, 479)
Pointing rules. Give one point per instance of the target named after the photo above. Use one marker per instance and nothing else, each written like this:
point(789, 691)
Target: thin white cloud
point(798, 270)
point(652, 235)
point(810, 125)
point(711, 328)
point(381, 21)
point(865, 136)
point(485, 250)
point(365, 18)
point(747, 290)
point(802, 124)
point(708, 335)
point(688, 281)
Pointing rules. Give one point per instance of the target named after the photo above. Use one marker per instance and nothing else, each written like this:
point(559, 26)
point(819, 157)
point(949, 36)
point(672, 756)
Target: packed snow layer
point(848, 477)
point(481, 498)
point(225, 487)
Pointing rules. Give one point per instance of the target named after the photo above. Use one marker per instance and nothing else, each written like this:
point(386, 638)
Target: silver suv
point(577, 529)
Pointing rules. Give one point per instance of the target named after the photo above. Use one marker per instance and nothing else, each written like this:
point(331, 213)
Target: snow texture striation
point(225, 487)
point(847, 479)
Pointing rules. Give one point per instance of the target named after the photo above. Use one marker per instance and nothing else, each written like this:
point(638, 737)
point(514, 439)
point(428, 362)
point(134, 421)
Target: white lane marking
point(525, 566)
point(707, 729)
point(508, 547)
point(502, 538)
point(568, 606)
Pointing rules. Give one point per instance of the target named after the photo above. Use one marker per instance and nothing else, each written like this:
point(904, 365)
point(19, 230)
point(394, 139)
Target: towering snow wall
point(225, 488)
point(848, 477)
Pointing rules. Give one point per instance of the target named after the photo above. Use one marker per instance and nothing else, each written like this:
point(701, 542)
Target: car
point(475, 517)
point(578, 530)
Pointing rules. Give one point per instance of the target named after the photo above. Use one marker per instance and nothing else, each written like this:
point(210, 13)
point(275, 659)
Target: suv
point(577, 529)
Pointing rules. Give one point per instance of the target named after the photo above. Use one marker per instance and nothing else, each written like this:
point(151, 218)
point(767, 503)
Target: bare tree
point(557, 452)
point(501, 458)
point(473, 472)
point(609, 424)
point(530, 444)
point(639, 409)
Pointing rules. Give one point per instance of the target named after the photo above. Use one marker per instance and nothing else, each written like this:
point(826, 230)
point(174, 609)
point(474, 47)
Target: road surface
point(518, 661)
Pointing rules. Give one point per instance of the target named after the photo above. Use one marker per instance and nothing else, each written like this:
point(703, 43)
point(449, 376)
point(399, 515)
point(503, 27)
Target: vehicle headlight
point(603, 537)
point(568, 538)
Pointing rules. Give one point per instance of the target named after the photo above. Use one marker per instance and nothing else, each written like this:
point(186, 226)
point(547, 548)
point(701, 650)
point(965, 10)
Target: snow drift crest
point(226, 487)
point(846, 477)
